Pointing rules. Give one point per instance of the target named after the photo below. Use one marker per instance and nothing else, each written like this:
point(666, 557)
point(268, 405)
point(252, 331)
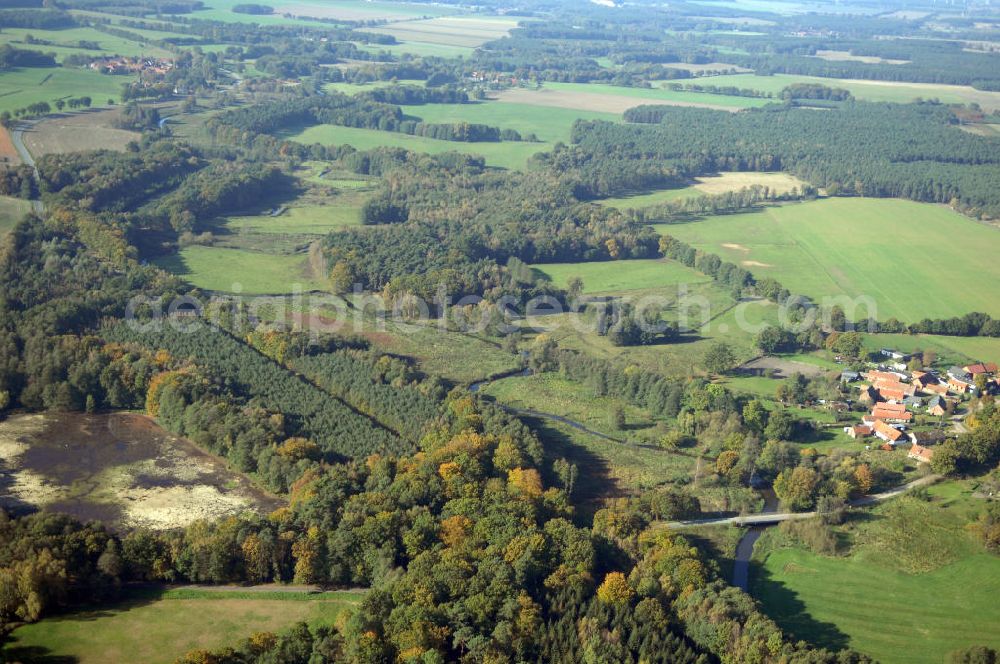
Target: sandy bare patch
point(783, 367)
point(179, 506)
point(734, 246)
point(120, 468)
point(755, 264)
point(590, 101)
point(14, 435)
point(90, 130)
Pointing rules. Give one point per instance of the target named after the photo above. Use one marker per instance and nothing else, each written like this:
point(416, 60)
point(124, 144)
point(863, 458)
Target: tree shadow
point(35, 655)
point(782, 604)
point(594, 483)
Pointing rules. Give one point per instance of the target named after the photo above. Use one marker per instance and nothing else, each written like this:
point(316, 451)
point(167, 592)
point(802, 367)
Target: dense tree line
point(109, 180)
point(11, 57)
point(40, 19)
point(18, 181)
point(911, 151)
point(309, 411)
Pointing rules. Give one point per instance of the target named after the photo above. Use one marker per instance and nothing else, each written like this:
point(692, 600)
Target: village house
point(887, 433)
point(938, 389)
point(921, 453)
point(913, 402)
point(849, 376)
point(881, 412)
point(858, 431)
point(987, 369)
point(894, 354)
point(926, 438)
point(868, 394)
point(937, 406)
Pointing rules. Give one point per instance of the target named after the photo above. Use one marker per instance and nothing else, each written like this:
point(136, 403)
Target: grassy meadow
point(862, 89)
point(11, 211)
point(305, 219)
point(707, 185)
point(27, 85)
point(913, 587)
point(507, 154)
point(622, 276)
point(249, 272)
point(159, 630)
point(914, 260)
point(548, 124)
point(462, 31)
point(66, 42)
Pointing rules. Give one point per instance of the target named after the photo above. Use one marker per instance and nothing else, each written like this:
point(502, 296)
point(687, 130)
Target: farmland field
point(305, 219)
point(64, 42)
point(865, 90)
point(508, 154)
point(914, 260)
point(469, 32)
point(24, 86)
point(249, 272)
point(606, 98)
point(90, 130)
point(913, 589)
point(950, 350)
point(11, 211)
point(621, 276)
point(707, 185)
point(548, 124)
point(162, 629)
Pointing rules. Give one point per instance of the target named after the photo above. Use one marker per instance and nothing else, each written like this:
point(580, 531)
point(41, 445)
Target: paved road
point(17, 137)
point(760, 519)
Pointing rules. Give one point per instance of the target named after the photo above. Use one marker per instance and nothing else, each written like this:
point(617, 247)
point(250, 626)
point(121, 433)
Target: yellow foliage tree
point(615, 590)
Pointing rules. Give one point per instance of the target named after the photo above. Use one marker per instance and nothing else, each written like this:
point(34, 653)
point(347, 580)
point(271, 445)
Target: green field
point(622, 276)
point(24, 86)
point(864, 90)
point(507, 154)
point(11, 211)
point(660, 94)
point(914, 260)
point(548, 124)
point(354, 88)
point(160, 630)
point(306, 219)
point(651, 198)
point(913, 588)
point(950, 350)
point(64, 42)
point(420, 49)
point(248, 272)
point(467, 31)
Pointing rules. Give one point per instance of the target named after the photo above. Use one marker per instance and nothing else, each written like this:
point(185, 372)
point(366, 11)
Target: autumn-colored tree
point(615, 590)
point(455, 529)
point(726, 462)
point(795, 487)
point(863, 479)
point(526, 481)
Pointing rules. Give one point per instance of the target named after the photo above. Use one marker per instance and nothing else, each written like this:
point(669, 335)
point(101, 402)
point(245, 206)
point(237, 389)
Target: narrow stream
point(744, 549)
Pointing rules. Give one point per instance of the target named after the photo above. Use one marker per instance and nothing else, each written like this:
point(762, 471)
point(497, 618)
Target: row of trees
point(910, 151)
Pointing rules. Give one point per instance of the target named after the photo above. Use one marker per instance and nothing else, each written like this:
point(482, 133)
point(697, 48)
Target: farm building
point(858, 431)
point(937, 406)
point(891, 414)
point(987, 369)
point(921, 453)
point(887, 433)
point(849, 376)
point(926, 438)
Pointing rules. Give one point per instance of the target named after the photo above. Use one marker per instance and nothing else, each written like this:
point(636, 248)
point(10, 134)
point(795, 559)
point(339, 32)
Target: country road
point(777, 517)
point(17, 137)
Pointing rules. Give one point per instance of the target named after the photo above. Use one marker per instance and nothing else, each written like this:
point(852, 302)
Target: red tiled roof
point(982, 367)
point(888, 431)
point(920, 452)
point(880, 414)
